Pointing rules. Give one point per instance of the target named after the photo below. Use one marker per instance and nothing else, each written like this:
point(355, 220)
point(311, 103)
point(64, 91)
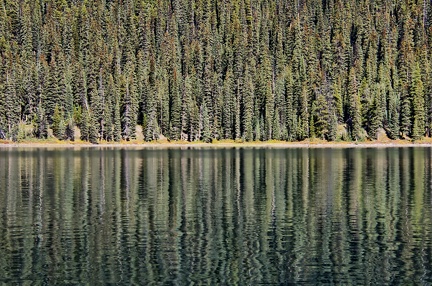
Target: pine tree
point(417, 93)
point(229, 106)
point(338, 102)
point(354, 111)
point(97, 105)
point(333, 125)
point(70, 129)
point(291, 116)
point(88, 128)
point(394, 117)
point(373, 119)
point(321, 117)
point(237, 121)
point(129, 109)
point(247, 105)
point(175, 108)
point(279, 120)
point(54, 89)
point(161, 103)
point(406, 113)
point(11, 108)
point(117, 121)
point(58, 126)
point(41, 130)
point(304, 115)
point(206, 133)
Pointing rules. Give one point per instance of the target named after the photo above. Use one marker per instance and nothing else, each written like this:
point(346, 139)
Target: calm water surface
point(217, 216)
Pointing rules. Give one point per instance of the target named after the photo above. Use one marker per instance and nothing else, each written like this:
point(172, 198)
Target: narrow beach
point(166, 145)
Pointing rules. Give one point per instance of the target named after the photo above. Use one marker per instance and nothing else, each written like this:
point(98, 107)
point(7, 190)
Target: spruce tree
point(69, 129)
point(394, 116)
point(228, 107)
point(417, 93)
point(247, 105)
point(175, 108)
point(11, 108)
point(206, 133)
point(304, 116)
point(321, 117)
point(354, 111)
point(53, 91)
point(291, 114)
point(58, 126)
point(41, 128)
point(88, 128)
point(117, 121)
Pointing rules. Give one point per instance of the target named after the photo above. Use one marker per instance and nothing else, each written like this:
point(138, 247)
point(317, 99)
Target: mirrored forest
point(221, 216)
point(209, 69)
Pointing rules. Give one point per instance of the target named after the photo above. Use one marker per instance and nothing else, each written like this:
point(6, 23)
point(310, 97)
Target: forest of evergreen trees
point(215, 69)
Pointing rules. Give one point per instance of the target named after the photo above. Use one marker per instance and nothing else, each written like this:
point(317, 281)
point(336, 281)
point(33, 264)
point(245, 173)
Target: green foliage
point(322, 118)
point(417, 93)
point(41, 122)
point(303, 121)
point(206, 134)
point(88, 128)
point(372, 118)
point(58, 125)
point(247, 105)
point(393, 120)
point(338, 103)
point(24, 131)
point(54, 90)
point(11, 108)
point(205, 70)
point(354, 108)
point(69, 129)
point(116, 122)
point(228, 106)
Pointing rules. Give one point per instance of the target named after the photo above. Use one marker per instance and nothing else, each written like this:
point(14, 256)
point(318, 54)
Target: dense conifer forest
point(215, 69)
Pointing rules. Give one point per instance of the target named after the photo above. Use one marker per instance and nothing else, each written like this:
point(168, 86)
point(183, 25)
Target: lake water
point(216, 216)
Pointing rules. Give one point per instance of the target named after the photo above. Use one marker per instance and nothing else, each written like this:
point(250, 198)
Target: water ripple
point(219, 217)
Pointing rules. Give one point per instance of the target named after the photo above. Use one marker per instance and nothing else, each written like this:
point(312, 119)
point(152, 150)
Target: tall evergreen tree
point(417, 93)
point(247, 105)
point(321, 117)
point(11, 108)
point(394, 116)
point(354, 110)
point(58, 125)
point(41, 128)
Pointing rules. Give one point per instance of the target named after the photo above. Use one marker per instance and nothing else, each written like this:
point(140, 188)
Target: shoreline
point(168, 145)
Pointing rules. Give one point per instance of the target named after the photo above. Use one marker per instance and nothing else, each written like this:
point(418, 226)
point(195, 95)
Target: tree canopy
point(209, 69)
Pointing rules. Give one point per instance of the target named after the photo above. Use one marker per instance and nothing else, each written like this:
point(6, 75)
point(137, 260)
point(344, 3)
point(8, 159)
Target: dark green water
point(217, 217)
